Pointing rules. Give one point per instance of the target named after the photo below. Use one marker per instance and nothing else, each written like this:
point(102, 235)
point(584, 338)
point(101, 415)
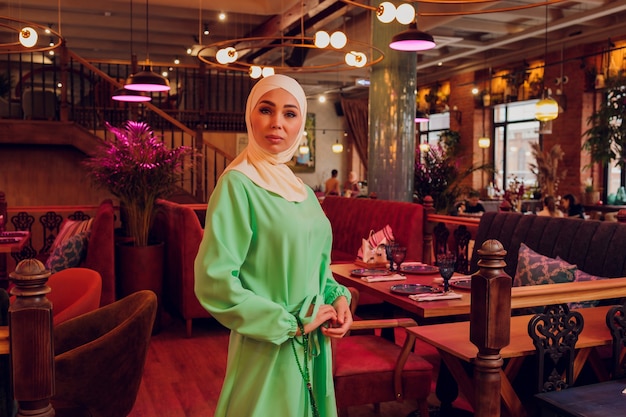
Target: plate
point(410, 289)
point(366, 272)
point(463, 283)
point(419, 269)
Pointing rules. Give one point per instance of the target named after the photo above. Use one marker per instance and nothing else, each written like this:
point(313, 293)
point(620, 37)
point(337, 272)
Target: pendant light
point(337, 147)
point(122, 94)
point(412, 39)
point(547, 108)
point(147, 80)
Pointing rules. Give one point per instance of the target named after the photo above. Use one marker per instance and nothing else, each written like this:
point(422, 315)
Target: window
point(515, 129)
point(429, 131)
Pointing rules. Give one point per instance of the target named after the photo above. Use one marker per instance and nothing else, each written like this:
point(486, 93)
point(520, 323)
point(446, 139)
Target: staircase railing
point(201, 101)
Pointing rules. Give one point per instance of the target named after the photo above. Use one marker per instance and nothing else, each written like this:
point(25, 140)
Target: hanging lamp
point(547, 108)
point(412, 39)
point(337, 147)
point(147, 80)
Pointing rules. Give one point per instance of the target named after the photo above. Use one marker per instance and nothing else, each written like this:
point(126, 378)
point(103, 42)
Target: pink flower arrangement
point(137, 167)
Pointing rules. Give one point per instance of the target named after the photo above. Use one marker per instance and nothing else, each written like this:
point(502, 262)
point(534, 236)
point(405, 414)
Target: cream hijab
point(265, 169)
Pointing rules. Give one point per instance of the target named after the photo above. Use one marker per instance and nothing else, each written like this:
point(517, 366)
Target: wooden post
point(31, 340)
point(490, 325)
point(429, 208)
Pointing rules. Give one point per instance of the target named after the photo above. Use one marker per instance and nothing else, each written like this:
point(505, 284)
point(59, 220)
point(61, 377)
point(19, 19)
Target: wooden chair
point(100, 356)
point(616, 322)
point(555, 333)
point(368, 369)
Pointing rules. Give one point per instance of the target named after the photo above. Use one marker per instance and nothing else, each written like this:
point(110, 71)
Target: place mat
point(380, 278)
point(435, 297)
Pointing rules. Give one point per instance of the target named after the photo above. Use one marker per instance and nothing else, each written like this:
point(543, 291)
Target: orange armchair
point(74, 291)
point(368, 369)
point(100, 357)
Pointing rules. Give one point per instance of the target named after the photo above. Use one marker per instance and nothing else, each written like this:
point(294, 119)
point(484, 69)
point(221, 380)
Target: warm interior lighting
point(227, 55)
point(303, 149)
point(28, 37)
point(338, 40)
point(412, 39)
point(337, 147)
point(255, 72)
point(123, 94)
point(546, 109)
point(484, 142)
point(322, 39)
point(386, 12)
point(405, 13)
point(424, 147)
point(267, 71)
point(147, 80)
point(420, 117)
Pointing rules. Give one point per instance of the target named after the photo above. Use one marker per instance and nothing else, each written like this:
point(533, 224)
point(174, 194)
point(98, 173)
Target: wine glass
point(446, 263)
point(389, 252)
point(398, 254)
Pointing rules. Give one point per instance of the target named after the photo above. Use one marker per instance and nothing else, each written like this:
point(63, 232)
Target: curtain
point(357, 116)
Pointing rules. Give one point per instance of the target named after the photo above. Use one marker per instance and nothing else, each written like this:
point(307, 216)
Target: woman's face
point(276, 120)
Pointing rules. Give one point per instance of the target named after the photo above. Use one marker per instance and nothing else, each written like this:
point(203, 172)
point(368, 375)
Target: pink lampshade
point(122, 94)
point(412, 40)
point(147, 80)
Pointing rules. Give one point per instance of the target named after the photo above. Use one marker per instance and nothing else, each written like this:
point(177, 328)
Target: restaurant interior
point(510, 101)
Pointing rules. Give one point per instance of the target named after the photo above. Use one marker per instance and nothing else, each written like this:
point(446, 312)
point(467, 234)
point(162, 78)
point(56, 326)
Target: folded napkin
point(435, 297)
point(380, 278)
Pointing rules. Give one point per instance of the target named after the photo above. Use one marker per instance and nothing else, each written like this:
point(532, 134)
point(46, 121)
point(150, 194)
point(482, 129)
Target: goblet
point(389, 252)
point(446, 263)
point(398, 254)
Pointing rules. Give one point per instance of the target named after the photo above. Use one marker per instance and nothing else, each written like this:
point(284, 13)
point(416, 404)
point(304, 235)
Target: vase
point(140, 268)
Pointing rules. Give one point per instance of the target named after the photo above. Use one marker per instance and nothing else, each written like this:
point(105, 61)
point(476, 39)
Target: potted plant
point(546, 168)
point(138, 168)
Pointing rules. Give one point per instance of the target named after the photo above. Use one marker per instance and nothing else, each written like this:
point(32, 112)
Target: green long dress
point(263, 260)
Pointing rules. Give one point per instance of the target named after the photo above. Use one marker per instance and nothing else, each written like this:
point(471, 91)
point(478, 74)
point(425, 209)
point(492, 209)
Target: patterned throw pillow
point(582, 276)
point(536, 269)
point(69, 254)
point(68, 229)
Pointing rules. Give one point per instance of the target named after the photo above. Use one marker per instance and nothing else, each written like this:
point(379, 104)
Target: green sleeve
point(227, 238)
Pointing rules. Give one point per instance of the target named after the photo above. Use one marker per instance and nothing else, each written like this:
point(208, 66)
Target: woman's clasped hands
point(333, 320)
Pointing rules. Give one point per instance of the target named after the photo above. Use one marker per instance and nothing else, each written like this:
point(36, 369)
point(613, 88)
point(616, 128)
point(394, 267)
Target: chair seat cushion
point(359, 359)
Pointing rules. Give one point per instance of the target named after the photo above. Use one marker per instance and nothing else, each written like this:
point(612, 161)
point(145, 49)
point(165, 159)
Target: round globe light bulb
point(322, 39)
point(351, 58)
point(361, 60)
point(405, 13)
point(28, 37)
point(255, 71)
point(338, 40)
point(268, 71)
point(222, 56)
point(386, 12)
point(231, 54)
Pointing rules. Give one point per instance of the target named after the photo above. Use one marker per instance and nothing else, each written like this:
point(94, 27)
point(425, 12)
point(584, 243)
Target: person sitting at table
point(549, 208)
point(472, 205)
point(332, 184)
point(351, 187)
point(571, 208)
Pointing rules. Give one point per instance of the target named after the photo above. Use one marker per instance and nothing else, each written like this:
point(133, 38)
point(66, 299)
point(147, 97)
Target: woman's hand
point(340, 326)
point(325, 314)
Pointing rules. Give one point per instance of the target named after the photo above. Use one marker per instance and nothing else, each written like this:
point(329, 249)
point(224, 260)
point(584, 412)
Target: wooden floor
point(183, 376)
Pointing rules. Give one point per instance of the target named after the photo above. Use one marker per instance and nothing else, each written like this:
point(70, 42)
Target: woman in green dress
point(263, 269)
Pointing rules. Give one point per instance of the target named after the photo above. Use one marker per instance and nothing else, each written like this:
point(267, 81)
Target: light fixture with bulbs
point(547, 108)
point(24, 36)
point(130, 96)
point(421, 117)
point(147, 80)
point(337, 147)
point(412, 39)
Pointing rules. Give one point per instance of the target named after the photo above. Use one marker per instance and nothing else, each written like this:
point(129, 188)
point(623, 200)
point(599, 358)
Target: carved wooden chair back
point(555, 333)
point(616, 322)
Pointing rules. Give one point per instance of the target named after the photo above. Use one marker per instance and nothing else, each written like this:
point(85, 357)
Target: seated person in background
point(332, 184)
point(549, 208)
point(472, 205)
point(571, 208)
point(351, 187)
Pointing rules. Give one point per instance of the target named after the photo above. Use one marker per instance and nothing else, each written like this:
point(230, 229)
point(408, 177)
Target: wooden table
point(426, 309)
point(10, 242)
point(593, 400)
point(453, 343)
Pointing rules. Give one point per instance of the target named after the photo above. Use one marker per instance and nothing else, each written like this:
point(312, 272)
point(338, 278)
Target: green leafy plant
point(606, 138)
point(546, 168)
point(438, 173)
point(138, 168)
